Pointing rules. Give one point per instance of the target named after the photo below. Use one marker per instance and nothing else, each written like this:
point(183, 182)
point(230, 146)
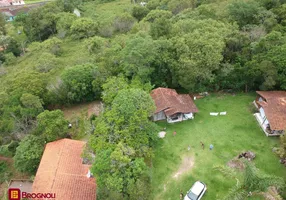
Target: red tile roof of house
point(5, 3)
point(169, 101)
point(61, 172)
point(274, 108)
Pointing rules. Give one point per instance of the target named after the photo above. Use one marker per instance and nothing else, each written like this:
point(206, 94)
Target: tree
point(2, 24)
point(83, 28)
point(137, 57)
point(244, 12)
point(31, 101)
point(45, 62)
point(13, 47)
point(95, 44)
point(111, 88)
point(29, 153)
point(251, 180)
point(120, 174)
point(177, 6)
point(31, 106)
point(64, 22)
point(139, 12)
point(123, 23)
point(160, 23)
point(128, 121)
point(36, 84)
point(198, 48)
point(68, 6)
point(52, 125)
point(40, 24)
point(123, 138)
point(78, 82)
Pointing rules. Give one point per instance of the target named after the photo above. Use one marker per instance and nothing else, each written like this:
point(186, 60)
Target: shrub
point(139, 12)
point(84, 28)
point(123, 23)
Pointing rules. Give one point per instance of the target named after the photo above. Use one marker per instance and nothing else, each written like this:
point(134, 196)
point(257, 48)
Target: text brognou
point(39, 195)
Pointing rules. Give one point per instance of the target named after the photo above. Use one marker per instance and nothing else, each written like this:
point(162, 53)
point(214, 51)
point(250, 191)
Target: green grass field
point(230, 135)
point(106, 12)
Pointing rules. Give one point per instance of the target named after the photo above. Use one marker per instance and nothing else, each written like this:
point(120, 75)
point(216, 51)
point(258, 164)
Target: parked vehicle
point(196, 192)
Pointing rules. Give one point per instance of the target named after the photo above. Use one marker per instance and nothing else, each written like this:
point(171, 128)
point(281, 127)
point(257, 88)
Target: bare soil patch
point(187, 165)
point(87, 109)
point(236, 164)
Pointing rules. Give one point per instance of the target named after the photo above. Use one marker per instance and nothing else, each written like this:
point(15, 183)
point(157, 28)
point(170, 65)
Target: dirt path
point(187, 165)
point(6, 159)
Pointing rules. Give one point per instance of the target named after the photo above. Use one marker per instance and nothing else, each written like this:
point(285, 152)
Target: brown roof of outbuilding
point(169, 101)
point(61, 172)
point(274, 108)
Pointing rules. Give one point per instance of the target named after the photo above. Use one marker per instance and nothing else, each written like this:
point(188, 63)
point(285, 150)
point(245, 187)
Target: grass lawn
point(106, 12)
point(230, 135)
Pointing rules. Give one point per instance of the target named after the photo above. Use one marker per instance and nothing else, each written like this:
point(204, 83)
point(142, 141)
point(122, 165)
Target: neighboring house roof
point(9, 12)
point(169, 101)
point(5, 3)
point(274, 108)
point(61, 172)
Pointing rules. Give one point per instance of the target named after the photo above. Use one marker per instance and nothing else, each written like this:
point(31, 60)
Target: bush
point(45, 62)
point(5, 173)
point(52, 46)
point(139, 12)
point(10, 59)
point(106, 31)
point(12, 147)
point(64, 23)
point(84, 28)
point(123, 23)
point(94, 44)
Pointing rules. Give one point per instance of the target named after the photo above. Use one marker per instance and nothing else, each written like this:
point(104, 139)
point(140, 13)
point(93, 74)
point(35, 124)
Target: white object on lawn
point(222, 113)
point(213, 114)
point(162, 134)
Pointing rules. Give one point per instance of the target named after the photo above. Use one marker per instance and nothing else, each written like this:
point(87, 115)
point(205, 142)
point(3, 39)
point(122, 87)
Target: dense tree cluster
point(123, 140)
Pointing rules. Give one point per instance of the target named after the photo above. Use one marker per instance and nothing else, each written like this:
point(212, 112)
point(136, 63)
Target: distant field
point(35, 1)
point(231, 134)
point(105, 13)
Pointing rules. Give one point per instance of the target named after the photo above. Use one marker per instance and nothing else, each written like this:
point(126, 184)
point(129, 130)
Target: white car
point(196, 192)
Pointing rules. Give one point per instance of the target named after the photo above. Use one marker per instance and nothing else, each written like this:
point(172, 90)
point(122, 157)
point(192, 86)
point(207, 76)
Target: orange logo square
point(14, 194)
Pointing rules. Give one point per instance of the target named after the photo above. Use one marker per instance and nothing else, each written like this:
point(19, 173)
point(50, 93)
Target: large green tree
point(52, 125)
point(77, 81)
point(123, 138)
point(137, 57)
point(29, 153)
point(198, 47)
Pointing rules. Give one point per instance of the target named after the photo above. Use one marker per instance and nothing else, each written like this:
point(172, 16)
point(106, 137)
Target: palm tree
point(251, 182)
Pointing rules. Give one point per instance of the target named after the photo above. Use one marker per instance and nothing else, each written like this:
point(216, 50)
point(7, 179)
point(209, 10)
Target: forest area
point(117, 52)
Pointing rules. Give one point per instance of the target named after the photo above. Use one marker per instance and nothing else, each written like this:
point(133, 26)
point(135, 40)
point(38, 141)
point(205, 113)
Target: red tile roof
point(61, 172)
point(274, 108)
point(169, 101)
point(5, 3)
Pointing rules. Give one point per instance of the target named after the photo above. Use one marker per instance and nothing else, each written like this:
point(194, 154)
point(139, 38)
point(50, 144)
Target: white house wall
point(159, 116)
